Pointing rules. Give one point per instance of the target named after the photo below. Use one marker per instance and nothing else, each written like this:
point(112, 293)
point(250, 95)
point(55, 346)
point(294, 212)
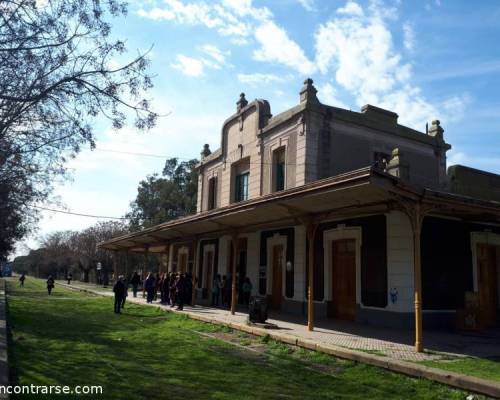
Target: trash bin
point(257, 309)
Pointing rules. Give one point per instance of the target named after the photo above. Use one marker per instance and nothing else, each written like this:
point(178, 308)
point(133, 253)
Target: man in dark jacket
point(180, 289)
point(150, 287)
point(119, 290)
point(135, 281)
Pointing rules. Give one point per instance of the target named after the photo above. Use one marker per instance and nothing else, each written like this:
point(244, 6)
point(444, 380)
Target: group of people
point(175, 289)
point(222, 288)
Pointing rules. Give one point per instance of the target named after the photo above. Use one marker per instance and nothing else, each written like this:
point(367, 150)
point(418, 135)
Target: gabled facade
point(339, 214)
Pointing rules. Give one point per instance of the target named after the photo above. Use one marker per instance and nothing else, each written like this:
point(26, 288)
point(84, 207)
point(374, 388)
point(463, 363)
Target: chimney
point(379, 114)
point(241, 103)
point(397, 166)
point(436, 130)
point(308, 92)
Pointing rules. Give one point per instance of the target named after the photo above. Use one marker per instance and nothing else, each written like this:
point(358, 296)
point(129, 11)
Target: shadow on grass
point(141, 355)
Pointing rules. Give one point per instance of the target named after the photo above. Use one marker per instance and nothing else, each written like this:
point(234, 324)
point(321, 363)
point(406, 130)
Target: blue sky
point(423, 59)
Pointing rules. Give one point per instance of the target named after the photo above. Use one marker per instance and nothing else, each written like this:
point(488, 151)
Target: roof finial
point(436, 129)
point(206, 151)
point(308, 92)
point(241, 103)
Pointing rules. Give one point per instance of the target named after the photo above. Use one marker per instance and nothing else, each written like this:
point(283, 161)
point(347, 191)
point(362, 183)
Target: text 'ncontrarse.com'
point(50, 389)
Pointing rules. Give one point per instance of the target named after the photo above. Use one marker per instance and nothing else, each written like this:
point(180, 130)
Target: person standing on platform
point(180, 291)
point(150, 287)
point(173, 290)
point(135, 282)
point(216, 284)
point(247, 291)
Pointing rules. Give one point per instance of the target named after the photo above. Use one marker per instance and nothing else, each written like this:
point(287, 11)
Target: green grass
point(72, 338)
point(478, 367)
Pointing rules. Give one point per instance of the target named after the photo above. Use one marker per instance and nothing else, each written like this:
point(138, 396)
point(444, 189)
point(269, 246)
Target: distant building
point(350, 206)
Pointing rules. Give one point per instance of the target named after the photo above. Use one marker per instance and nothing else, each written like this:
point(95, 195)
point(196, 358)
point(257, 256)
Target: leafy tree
point(59, 69)
point(166, 197)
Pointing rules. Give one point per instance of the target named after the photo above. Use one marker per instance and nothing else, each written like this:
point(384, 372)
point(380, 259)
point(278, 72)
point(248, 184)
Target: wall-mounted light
point(289, 266)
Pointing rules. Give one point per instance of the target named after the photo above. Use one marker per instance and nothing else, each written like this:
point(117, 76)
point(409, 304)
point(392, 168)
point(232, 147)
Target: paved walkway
point(394, 343)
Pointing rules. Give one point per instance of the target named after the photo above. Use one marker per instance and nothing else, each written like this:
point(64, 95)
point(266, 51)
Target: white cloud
point(307, 4)
point(327, 94)
point(409, 38)
point(213, 58)
point(215, 53)
point(245, 8)
point(491, 164)
point(358, 48)
point(276, 46)
point(189, 66)
point(351, 8)
point(258, 78)
point(234, 18)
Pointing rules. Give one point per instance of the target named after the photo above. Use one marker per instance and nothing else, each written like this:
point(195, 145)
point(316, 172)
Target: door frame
point(206, 249)
point(489, 238)
point(282, 267)
point(184, 250)
point(275, 240)
point(340, 233)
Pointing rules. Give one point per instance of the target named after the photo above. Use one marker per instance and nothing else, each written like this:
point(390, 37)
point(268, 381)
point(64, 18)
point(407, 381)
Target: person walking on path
point(69, 277)
point(119, 290)
point(135, 282)
point(50, 284)
point(216, 291)
point(150, 287)
point(22, 278)
point(247, 291)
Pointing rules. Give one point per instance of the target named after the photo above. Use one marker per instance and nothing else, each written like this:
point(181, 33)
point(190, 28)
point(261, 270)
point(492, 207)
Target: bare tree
point(59, 70)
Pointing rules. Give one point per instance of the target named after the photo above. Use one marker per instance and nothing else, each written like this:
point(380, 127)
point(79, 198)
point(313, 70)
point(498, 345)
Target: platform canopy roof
point(361, 192)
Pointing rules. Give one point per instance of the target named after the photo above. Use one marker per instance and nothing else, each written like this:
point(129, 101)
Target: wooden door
point(277, 288)
point(344, 278)
point(182, 262)
point(209, 272)
point(487, 283)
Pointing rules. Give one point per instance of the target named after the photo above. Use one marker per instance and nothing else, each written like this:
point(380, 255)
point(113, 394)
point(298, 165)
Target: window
point(279, 169)
point(212, 193)
point(241, 187)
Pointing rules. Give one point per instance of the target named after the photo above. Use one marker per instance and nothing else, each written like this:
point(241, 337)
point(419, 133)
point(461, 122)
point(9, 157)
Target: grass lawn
point(479, 367)
point(71, 338)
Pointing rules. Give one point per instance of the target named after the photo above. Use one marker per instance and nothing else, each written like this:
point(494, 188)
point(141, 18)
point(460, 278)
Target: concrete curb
point(456, 380)
point(4, 355)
